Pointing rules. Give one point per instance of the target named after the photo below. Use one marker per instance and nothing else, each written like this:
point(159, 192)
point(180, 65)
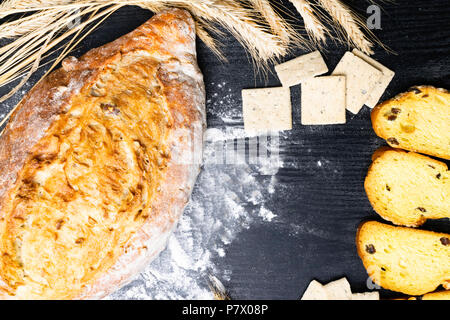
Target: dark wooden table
point(318, 207)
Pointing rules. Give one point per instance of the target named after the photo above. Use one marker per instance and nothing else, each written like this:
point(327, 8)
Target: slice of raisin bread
point(417, 120)
point(407, 188)
point(438, 295)
point(411, 261)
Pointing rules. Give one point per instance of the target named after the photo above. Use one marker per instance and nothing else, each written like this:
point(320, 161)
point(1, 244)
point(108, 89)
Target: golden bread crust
point(417, 120)
point(98, 162)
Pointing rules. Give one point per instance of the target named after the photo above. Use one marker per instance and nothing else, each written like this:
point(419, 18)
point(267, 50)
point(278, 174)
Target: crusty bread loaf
point(98, 162)
point(407, 188)
point(417, 120)
point(411, 261)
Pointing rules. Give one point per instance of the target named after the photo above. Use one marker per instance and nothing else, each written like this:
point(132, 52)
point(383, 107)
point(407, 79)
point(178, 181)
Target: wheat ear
point(28, 49)
point(262, 45)
point(265, 42)
point(316, 30)
point(209, 41)
point(348, 24)
point(217, 288)
point(276, 23)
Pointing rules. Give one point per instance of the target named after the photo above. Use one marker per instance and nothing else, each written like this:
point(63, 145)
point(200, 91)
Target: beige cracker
point(323, 100)
point(374, 295)
point(361, 78)
point(382, 83)
point(301, 68)
point(267, 109)
point(315, 291)
point(338, 290)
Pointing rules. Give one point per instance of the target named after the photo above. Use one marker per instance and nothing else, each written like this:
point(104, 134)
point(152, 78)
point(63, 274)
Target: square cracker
point(381, 84)
point(267, 109)
point(315, 291)
point(374, 295)
point(301, 68)
point(338, 290)
point(361, 78)
point(323, 100)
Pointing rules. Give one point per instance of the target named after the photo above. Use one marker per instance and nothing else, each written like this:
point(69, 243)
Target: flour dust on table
point(230, 194)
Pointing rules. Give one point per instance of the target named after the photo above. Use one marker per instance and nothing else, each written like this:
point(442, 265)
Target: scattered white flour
point(266, 214)
point(271, 187)
point(229, 195)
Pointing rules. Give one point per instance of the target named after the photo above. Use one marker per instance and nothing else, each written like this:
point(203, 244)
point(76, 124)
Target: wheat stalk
point(255, 24)
point(209, 41)
point(25, 52)
point(217, 288)
point(315, 28)
point(260, 43)
point(348, 24)
point(278, 25)
point(16, 28)
point(10, 7)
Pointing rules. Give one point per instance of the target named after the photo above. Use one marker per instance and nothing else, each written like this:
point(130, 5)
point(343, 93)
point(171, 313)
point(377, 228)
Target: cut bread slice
point(440, 295)
point(417, 120)
point(411, 261)
point(407, 188)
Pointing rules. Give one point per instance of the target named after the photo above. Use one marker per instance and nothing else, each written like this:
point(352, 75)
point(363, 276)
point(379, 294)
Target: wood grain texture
point(318, 207)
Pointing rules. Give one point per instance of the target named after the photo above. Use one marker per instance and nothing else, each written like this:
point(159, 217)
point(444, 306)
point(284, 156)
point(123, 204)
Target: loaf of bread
point(417, 120)
point(98, 162)
point(411, 261)
point(407, 188)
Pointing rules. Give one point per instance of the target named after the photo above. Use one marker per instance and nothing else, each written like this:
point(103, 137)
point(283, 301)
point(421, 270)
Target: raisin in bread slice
point(417, 120)
point(411, 261)
point(407, 188)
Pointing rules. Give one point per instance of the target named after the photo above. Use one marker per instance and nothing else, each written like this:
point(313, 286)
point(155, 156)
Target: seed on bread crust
point(59, 224)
